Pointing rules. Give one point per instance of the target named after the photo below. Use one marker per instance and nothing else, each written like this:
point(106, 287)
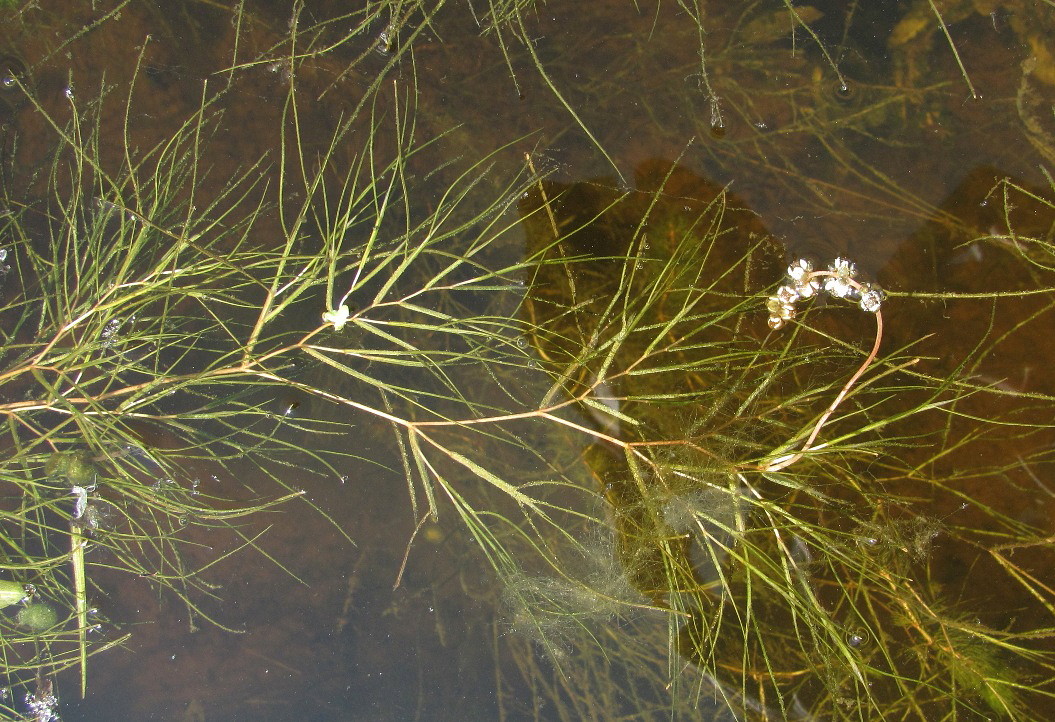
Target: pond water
point(621, 529)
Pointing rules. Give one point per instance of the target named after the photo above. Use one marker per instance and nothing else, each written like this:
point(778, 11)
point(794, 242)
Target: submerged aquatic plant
point(152, 312)
point(773, 506)
point(765, 556)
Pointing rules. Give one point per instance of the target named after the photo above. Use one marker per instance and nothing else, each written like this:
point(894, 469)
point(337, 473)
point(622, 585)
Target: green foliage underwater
point(555, 361)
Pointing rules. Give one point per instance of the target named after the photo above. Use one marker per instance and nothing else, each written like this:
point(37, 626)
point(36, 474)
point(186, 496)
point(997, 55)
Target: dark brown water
point(896, 161)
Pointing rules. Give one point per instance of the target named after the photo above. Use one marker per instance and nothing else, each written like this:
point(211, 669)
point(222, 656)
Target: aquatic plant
point(153, 313)
point(649, 470)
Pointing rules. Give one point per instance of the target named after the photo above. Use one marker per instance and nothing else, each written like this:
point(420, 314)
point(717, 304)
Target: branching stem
point(785, 461)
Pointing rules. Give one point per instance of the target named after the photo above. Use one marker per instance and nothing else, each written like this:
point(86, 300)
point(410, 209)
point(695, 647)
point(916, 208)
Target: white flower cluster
point(840, 281)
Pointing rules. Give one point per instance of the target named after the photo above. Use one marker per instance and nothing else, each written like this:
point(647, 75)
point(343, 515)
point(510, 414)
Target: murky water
point(879, 148)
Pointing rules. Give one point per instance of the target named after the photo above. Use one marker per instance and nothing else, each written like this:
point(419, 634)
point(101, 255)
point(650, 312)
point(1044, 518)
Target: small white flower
point(338, 318)
point(779, 307)
point(837, 287)
point(801, 280)
point(839, 284)
point(787, 295)
point(799, 270)
point(843, 268)
point(780, 310)
point(871, 298)
point(808, 288)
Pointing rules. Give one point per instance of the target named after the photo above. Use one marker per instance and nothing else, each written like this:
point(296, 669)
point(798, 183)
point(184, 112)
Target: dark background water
point(892, 164)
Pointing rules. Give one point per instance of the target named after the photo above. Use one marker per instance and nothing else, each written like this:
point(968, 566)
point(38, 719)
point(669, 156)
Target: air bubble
point(109, 332)
point(387, 39)
point(80, 503)
point(857, 638)
point(844, 93)
point(12, 72)
point(717, 124)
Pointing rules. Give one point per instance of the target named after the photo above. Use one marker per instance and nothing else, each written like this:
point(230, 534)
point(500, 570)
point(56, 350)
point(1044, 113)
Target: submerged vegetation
point(680, 509)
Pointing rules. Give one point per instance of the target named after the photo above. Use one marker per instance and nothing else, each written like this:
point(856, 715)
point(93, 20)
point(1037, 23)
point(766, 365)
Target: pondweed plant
point(796, 583)
point(650, 469)
point(114, 322)
point(150, 319)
